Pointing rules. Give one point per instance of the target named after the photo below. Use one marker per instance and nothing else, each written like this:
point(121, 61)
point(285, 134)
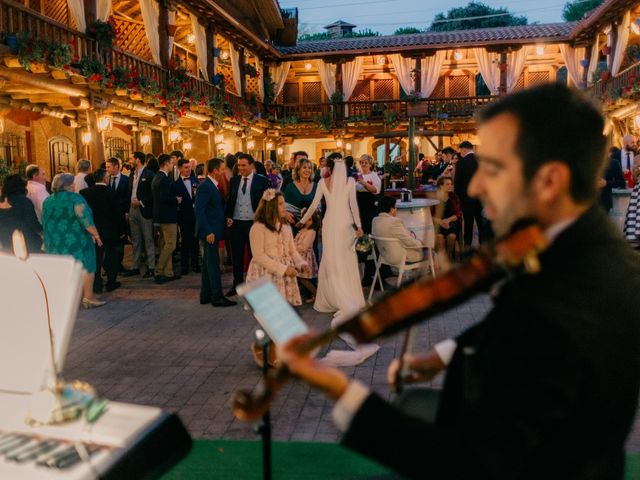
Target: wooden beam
point(90, 11)
point(212, 61)
point(243, 77)
point(163, 34)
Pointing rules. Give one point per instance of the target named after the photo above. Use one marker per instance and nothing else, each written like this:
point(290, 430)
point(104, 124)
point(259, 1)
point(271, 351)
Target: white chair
point(385, 246)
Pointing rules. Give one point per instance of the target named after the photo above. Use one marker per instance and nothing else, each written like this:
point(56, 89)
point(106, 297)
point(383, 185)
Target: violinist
point(546, 385)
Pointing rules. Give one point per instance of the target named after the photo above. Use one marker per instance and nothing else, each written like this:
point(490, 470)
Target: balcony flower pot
point(606, 75)
point(419, 109)
point(135, 96)
point(93, 85)
point(110, 91)
point(148, 99)
point(121, 92)
point(59, 74)
point(38, 67)
point(78, 80)
point(11, 41)
point(606, 50)
point(12, 61)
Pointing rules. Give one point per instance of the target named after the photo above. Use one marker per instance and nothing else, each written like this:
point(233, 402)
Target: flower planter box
point(121, 92)
point(135, 96)
point(37, 67)
point(58, 74)
point(78, 80)
point(420, 109)
point(12, 62)
point(110, 91)
point(148, 99)
point(193, 108)
point(95, 85)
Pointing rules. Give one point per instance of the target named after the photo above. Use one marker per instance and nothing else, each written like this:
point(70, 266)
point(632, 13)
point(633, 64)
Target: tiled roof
point(458, 38)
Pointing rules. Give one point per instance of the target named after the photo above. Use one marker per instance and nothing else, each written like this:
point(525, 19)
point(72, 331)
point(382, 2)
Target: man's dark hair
point(247, 157)
point(213, 164)
point(99, 174)
point(466, 144)
point(114, 161)
point(13, 185)
point(200, 169)
point(260, 170)
point(420, 156)
point(386, 203)
point(163, 159)
point(349, 161)
point(140, 156)
point(300, 153)
point(153, 165)
point(572, 134)
point(230, 160)
point(32, 171)
point(182, 161)
point(448, 151)
point(177, 154)
point(331, 160)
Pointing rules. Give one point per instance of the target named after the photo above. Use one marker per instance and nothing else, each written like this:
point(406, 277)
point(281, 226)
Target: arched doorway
point(117, 147)
point(62, 155)
point(396, 148)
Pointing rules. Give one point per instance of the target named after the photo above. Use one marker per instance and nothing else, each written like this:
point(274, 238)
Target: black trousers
point(188, 245)
point(239, 241)
point(107, 256)
point(472, 211)
point(210, 281)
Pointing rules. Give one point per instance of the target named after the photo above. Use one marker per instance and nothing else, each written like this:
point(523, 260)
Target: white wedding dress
point(339, 288)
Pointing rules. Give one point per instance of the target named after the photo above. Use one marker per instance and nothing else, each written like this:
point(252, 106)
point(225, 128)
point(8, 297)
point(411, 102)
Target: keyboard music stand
point(264, 427)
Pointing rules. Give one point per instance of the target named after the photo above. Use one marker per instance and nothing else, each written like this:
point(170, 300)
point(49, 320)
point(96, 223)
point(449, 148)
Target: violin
point(410, 304)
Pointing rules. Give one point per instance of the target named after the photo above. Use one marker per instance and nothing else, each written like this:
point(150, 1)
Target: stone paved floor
point(155, 345)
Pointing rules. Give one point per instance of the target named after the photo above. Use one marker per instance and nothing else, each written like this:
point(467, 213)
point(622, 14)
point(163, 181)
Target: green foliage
point(5, 170)
point(576, 9)
point(475, 9)
point(288, 120)
point(367, 32)
point(93, 69)
point(31, 49)
point(312, 37)
point(337, 97)
point(104, 33)
point(58, 54)
point(391, 118)
point(323, 122)
point(269, 89)
point(406, 31)
point(394, 169)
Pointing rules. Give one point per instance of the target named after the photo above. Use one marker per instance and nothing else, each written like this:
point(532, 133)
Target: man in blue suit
point(185, 188)
point(210, 226)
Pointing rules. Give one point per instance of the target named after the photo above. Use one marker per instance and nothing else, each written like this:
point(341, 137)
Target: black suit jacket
point(545, 386)
point(258, 185)
point(615, 179)
point(107, 216)
point(209, 210)
point(143, 192)
point(124, 193)
point(465, 168)
point(165, 205)
point(186, 213)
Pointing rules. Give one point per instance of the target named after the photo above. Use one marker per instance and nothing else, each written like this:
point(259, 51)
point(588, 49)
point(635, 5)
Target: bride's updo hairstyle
point(268, 213)
point(331, 161)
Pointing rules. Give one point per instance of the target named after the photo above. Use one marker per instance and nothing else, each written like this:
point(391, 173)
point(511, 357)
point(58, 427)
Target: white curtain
point(593, 61)
point(430, 72)
point(403, 67)
point(279, 77)
point(151, 15)
point(571, 57)
point(350, 75)
point(621, 43)
point(234, 55)
point(327, 73)
point(515, 66)
point(260, 68)
point(200, 35)
point(104, 10)
point(172, 21)
point(488, 65)
point(76, 8)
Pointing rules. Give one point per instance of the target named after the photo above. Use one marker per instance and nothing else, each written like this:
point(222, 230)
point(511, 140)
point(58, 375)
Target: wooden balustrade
point(614, 86)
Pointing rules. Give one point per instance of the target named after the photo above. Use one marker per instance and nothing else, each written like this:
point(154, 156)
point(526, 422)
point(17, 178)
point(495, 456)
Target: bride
point(339, 287)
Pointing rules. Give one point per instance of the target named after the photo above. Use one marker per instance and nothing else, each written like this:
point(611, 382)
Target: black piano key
point(73, 458)
point(33, 452)
point(51, 460)
point(8, 438)
point(17, 443)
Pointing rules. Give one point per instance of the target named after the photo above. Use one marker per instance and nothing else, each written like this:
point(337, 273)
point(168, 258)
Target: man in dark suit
point(165, 214)
point(107, 217)
point(120, 184)
point(546, 386)
point(245, 193)
point(210, 227)
point(185, 188)
point(613, 178)
point(471, 207)
point(140, 217)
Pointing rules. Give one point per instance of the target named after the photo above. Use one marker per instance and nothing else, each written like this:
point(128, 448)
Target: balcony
point(618, 91)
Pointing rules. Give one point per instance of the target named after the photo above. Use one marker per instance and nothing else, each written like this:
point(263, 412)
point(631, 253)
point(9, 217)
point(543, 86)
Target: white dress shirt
point(373, 179)
point(80, 182)
point(626, 159)
point(187, 185)
point(37, 193)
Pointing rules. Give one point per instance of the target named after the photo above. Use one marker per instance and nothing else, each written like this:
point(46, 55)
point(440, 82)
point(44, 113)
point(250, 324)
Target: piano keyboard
point(152, 442)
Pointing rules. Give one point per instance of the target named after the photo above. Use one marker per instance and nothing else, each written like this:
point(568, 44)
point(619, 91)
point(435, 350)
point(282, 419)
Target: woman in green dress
point(300, 192)
point(68, 227)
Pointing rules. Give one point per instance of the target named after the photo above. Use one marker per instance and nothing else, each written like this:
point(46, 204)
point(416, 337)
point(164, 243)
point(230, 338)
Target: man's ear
point(551, 181)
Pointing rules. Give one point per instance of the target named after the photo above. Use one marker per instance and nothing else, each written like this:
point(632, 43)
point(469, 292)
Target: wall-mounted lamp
point(458, 55)
point(339, 143)
point(219, 138)
point(187, 145)
point(191, 38)
point(635, 27)
point(145, 138)
point(251, 145)
point(104, 123)
point(416, 141)
point(86, 137)
point(539, 49)
point(224, 55)
point(348, 146)
point(280, 151)
point(308, 66)
point(381, 60)
point(174, 136)
point(269, 145)
point(637, 121)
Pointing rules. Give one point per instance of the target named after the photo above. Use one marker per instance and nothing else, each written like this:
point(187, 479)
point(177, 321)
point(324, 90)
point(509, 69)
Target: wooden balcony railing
point(375, 110)
point(15, 18)
point(614, 86)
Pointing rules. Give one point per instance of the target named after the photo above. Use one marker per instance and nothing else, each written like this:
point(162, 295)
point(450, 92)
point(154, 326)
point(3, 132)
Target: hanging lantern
point(174, 136)
point(145, 138)
point(251, 145)
point(86, 137)
point(269, 145)
point(187, 145)
point(104, 124)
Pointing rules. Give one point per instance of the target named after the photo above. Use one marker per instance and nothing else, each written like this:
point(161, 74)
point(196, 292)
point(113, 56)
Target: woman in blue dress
point(300, 193)
point(68, 227)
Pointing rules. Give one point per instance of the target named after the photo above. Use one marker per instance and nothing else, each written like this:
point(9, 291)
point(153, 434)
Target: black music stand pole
point(264, 427)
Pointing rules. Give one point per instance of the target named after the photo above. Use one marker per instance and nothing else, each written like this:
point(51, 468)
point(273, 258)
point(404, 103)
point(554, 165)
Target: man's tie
point(113, 182)
point(628, 160)
point(244, 185)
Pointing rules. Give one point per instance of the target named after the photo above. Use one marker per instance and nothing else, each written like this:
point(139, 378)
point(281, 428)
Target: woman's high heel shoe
point(88, 303)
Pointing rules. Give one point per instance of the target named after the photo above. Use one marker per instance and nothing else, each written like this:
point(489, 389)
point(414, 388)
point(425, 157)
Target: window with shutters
point(290, 93)
point(62, 155)
point(458, 86)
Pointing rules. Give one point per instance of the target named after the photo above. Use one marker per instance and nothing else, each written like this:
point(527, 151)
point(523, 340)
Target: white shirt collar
point(215, 182)
point(556, 229)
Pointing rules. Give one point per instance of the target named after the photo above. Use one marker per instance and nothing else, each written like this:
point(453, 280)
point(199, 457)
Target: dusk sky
point(385, 16)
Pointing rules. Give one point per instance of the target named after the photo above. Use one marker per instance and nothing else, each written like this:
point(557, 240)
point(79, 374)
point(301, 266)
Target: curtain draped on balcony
point(430, 72)
point(515, 66)
point(593, 61)
point(150, 15)
point(571, 57)
point(403, 67)
point(350, 75)
point(260, 68)
point(234, 56)
point(200, 35)
point(327, 73)
point(76, 9)
point(621, 43)
point(104, 10)
point(279, 77)
point(488, 65)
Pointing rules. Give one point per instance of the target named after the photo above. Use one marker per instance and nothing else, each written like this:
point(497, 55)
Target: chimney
point(340, 29)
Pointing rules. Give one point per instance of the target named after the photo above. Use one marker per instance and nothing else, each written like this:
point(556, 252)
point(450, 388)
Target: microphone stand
point(264, 427)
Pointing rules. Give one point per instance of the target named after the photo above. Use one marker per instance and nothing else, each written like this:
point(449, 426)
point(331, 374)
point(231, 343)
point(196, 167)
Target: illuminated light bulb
point(191, 38)
point(308, 66)
point(224, 54)
point(251, 144)
point(145, 138)
point(381, 60)
point(269, 145)
point(339, 143)
point(219, 138)
point(539, 49)
point(174, 136)
point(222, 147)
point(187, 145)
point(635, 28)
point(637, 120)
point(458, 55)
point(348, 146)
point(416, 141)
point(280, 151)
point(104, 124)
point(86, 137)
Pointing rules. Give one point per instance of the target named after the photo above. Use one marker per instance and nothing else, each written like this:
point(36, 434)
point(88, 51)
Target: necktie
point(244, 185)
point(628, 160)
point(113, 182)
